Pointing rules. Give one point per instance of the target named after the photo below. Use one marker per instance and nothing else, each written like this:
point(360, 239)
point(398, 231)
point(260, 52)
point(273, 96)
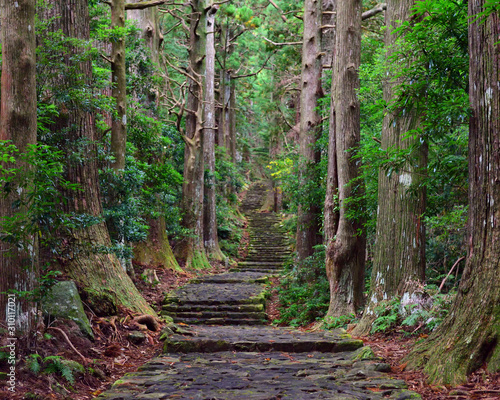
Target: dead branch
point(282, 44)
point(279, 9)
point(374, 11)
point(449, 273)
point(144, 4)
point(259, 71)
point(85, 361)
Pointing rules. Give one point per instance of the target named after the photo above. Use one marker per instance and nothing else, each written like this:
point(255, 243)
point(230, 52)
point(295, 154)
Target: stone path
point(226, 351)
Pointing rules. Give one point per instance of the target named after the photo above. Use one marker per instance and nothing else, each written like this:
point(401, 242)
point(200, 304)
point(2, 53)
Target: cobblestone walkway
point(227, 352)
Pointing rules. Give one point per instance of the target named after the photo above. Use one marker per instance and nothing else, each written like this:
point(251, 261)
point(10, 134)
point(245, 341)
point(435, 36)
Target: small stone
point(137, 337)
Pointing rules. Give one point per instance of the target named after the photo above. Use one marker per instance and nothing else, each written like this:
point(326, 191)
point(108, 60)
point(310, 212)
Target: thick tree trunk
point(155, 250)
point(399, 254)
point(98, 274)
point(191, 248)
point(345, 254)
point(211, 240)
point(18, 261)
point(469, 337)
point(310, 121)
point(331, 212)
point(119, 88)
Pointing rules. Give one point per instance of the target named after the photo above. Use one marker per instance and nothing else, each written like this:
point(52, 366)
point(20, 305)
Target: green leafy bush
point(304, 292)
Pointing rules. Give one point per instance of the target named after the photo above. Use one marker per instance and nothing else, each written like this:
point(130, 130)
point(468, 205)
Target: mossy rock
point(63, 301)
point(364, 353)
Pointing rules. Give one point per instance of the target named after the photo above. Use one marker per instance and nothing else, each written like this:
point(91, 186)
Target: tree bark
point(191, 248)
point(345, 254)
point(310, 121)
point(18, 261)
point(469, 337)
point(119, 86)
point(331, 212)
point(399, 253)
point(155, 250)
point(97, 272)
point(211, 240)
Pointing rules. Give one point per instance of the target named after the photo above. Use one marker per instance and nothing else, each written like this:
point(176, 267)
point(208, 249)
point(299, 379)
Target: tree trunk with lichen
point(155, 250)
point(469, 337)
point(191, 247)
point(119, 86)
point(399, 252)
point(104, 284)
point(310, 124)
point(211, 241)
point(18, 261)
point(345, 253)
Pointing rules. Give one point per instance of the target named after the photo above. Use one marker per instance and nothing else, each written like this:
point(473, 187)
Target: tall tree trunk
point(18, 261)
point(399, 254)
point(331, 214)
point(119, 88)
point(469, 337)
point(98, 274)
point(232, 138)
point(155, 250)
point(211, 240)
point(191, 248)
point(310, 123)
point(345, 254)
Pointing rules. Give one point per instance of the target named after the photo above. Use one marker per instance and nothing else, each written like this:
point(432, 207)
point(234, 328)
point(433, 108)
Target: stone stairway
point(227, 353)
point(237, 297)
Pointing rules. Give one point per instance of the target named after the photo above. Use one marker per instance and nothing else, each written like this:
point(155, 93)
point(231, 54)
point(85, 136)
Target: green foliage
point(54, 365)
point(304, 291)
point(338, 322)
point(424, 315)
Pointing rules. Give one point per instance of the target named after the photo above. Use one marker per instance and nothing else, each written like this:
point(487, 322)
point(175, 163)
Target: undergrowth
point(304, 292)
point(416, 317)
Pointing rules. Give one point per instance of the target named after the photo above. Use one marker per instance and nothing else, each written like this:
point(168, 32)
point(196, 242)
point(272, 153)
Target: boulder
point(63, 301)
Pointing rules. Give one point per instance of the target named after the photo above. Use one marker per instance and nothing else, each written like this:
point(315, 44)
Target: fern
point(33, 363)
point(56, 364)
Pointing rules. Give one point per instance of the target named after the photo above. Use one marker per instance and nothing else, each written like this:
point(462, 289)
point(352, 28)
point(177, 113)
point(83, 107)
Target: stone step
point(215, 294)
point(233, 277)
point(220, 321)
point(263, 264)
point(173, 307)
point(266, 338)
point(228, 316)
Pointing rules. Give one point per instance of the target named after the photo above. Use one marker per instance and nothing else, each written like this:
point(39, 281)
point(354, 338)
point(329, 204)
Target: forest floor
point(113, 355)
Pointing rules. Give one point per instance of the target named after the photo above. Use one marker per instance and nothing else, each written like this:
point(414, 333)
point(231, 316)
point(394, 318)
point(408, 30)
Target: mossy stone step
point(174, 307)
point(233, 277)
point(265, 338)
point(214, 294)
point(221, 321)
point(227, 315)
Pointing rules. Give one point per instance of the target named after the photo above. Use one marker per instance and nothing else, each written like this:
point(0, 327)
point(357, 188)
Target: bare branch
point(279, 9)
point(374, 11)
point(106, 58)
point(282, 44)
point(144, 4)
point(259, 71)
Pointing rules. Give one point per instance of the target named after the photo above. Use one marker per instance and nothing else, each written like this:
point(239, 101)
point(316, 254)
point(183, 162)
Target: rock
point(137, 337)
point(63, 301)
point(364, 353)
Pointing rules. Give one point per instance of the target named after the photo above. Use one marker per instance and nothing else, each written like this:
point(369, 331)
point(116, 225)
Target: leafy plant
point(54, 365)
point(304, 291)
point(426, 314)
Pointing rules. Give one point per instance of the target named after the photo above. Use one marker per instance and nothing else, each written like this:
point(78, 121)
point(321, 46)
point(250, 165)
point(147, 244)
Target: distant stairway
point(237, 297)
